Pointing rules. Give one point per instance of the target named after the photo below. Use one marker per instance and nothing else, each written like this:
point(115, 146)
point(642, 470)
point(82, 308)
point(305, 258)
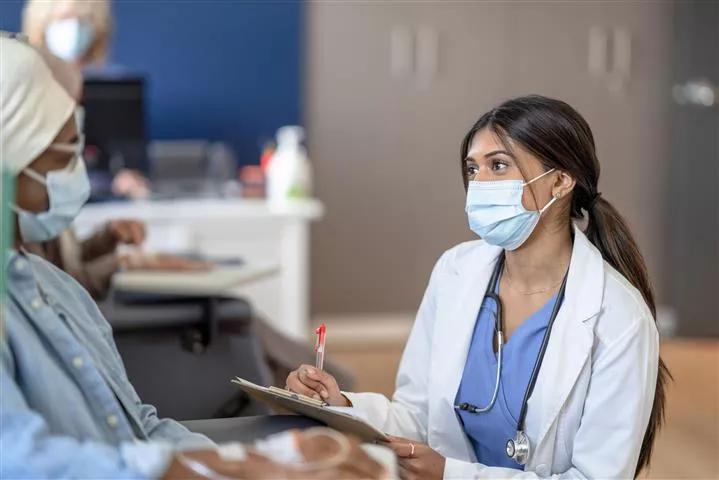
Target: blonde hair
point(38, 14)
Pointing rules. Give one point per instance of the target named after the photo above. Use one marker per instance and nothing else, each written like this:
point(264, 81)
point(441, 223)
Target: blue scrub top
point(490, 431)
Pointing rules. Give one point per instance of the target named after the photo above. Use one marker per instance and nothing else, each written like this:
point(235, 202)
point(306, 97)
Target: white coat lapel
point(571, 339)
point(456, 318)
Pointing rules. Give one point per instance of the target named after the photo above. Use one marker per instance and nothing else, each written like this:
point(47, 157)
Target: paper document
point(346, 420)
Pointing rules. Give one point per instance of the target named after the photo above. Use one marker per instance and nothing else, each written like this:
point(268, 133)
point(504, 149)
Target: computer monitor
point(114, 124)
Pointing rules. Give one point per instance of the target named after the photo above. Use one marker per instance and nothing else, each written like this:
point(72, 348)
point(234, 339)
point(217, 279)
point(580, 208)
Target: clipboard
point(312, 408)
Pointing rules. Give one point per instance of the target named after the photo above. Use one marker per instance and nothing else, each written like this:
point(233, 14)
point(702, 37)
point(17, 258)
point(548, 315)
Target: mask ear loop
point(549, 203)
point(78, 147)
point(554, 199)
point(68, 148)
point(538, 177)
point(34, 175)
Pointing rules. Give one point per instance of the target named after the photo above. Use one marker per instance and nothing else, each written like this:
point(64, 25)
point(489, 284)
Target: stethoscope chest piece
point(518, 448)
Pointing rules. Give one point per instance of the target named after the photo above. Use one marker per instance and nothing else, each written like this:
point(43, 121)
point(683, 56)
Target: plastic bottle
point(289, 175)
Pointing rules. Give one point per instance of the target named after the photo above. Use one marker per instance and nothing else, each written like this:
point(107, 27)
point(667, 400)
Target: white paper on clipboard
point(339, 420)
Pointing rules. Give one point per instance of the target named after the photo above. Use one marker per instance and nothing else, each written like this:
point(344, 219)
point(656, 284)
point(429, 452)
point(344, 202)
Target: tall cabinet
point(392, 87)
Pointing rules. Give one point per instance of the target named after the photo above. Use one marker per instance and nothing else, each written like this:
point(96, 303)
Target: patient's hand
point(318, 384)
point(254, 467)
point(324, 458)
point(355, 463)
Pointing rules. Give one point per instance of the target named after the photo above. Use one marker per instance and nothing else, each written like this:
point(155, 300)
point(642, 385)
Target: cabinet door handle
point(622, 53)
point(427, 55)
point(598, 49)
point(401, 51)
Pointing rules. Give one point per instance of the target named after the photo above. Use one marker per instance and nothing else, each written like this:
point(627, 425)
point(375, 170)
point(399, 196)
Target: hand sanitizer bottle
point(289, 175)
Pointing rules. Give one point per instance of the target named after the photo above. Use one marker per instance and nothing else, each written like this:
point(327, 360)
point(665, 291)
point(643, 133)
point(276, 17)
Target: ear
point(563, 185)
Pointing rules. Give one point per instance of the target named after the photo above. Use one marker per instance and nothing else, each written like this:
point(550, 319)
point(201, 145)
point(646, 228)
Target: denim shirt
point(67, 408)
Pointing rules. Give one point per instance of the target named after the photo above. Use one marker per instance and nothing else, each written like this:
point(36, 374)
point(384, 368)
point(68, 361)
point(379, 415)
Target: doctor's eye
point(471, 169)
point(499, 166)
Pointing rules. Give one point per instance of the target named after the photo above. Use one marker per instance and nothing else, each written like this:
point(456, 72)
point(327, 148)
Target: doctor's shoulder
point(465, 255)
point(624, 310)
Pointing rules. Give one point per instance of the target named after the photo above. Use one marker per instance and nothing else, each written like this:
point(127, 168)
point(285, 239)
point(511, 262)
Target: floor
point(688, 444)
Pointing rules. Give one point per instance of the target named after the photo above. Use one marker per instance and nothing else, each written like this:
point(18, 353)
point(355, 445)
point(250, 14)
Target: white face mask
point(495, 212)
point(67, 190)
point(69, 38)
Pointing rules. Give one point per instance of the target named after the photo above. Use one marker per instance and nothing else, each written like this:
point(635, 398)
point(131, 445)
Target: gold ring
point(411, 450)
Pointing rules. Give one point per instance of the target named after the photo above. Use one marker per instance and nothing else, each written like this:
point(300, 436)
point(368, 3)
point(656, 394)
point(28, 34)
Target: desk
point(244, 228)
point(217, 282)
point(248, 429)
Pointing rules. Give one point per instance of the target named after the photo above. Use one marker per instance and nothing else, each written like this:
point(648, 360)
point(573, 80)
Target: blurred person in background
point(72, 32)
point(465, 403)
point(67, 408)
point(78, 32)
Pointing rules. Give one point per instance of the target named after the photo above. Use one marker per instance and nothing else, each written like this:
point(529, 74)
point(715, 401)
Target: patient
point(67, 408)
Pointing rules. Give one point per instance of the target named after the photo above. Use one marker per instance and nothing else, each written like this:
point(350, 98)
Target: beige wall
point(386, 148)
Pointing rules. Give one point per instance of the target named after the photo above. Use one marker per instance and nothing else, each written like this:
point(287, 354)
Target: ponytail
point(608, 231)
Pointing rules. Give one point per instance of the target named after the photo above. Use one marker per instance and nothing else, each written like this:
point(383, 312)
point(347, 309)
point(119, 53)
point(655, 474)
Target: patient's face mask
point(69, 38)
point(67, 189)
point(495, 212)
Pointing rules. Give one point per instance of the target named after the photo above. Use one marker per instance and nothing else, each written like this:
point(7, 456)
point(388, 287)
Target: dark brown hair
point(560, 138)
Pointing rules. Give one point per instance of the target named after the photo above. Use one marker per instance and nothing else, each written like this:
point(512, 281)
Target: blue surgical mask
point(496, 213)
point(69, 38)
point(67, 190)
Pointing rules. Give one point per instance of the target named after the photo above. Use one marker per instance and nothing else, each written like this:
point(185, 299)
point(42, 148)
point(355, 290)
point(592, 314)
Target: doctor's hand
point(417, 461)
point(318, 384)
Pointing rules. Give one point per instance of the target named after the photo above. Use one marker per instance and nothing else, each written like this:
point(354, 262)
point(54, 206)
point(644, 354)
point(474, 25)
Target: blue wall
point(222, 70)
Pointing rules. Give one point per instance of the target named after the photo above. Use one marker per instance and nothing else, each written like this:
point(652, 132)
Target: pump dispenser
point(289, 175)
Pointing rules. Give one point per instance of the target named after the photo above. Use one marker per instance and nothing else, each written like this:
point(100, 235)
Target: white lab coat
point(590, 408)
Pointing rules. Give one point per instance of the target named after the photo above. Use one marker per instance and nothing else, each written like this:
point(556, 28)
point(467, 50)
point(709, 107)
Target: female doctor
point(534, 352)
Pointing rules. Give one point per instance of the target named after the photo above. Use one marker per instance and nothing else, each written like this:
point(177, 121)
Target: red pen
point(321, 332)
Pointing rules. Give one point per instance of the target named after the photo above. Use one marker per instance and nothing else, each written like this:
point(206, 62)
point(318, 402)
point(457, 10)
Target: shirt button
point(36, 303)
point(78, 362)
point(112, 421)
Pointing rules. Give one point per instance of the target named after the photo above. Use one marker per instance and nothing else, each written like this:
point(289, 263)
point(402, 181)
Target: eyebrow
point(487, 155)
point(495, 152)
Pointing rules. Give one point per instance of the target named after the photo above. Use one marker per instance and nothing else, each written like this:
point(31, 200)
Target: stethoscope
point(517, 448)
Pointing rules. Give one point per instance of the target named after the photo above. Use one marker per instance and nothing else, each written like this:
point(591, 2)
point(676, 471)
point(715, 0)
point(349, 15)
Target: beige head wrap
point(33, 106)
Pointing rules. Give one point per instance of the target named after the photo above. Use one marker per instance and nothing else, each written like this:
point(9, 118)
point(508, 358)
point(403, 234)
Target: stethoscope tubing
point(499, 328)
